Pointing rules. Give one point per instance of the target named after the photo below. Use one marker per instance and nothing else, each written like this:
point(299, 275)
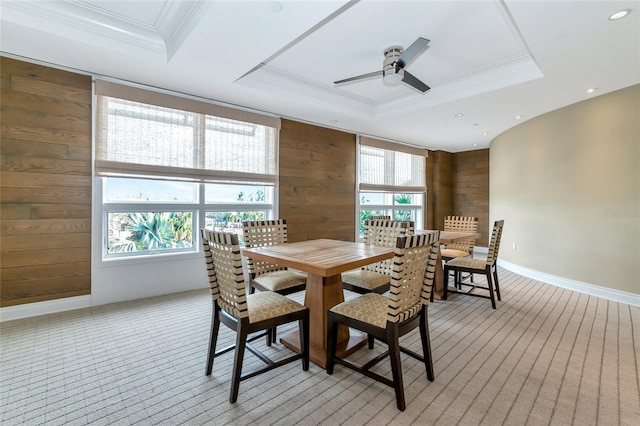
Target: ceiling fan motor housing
point(392, 69)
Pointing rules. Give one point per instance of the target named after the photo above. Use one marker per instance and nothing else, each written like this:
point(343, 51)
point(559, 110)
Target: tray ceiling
point(487, 60)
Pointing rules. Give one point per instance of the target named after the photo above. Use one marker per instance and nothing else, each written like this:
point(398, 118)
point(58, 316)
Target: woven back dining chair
point(383, 217)
point(389, 318)
point(375, 278)
point(461, 248)
point(245, 313)
point(266, 276)
point(472, 266)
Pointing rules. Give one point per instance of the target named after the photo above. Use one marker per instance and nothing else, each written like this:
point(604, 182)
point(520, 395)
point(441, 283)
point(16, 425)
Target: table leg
point(440, 279)
point(323, 293)
point(438, 289)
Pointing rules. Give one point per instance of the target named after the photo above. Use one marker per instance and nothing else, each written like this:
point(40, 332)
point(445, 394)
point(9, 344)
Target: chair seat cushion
point(365, 279)
point(468, 262)
point(448, 253)
point(370, 308)
point(279, 280)
point(267, 304)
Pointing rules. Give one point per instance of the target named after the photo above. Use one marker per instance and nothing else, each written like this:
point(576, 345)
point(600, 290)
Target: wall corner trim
point(581, 287)
point(28, 310)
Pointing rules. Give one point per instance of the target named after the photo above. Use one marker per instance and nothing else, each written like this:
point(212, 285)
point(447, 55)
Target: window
point(148, 216)
point(226, 206)
point(167, 166)
point(391, 181)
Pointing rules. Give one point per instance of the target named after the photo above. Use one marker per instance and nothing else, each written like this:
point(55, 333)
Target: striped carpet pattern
point(546, 356)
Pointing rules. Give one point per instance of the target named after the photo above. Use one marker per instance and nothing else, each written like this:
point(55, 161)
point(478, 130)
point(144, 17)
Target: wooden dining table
point(323, 260)
point(445, 238)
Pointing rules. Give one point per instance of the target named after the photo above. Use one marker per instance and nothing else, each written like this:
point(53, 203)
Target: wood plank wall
point(458, 185)
point(45, 190)
point(430, 206)
point(317, 182)
point(45, 165)
point(470, 189)
point(441, 190)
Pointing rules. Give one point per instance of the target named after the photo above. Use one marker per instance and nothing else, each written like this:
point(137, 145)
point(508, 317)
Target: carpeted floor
point(546, 356)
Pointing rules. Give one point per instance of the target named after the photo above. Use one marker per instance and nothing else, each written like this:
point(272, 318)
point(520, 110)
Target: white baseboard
point(41, 308)
point(590, 289)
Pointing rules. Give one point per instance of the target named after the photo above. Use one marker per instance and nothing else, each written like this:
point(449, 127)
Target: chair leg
point(445, 282)
point(213, 340)
point(271, 336)
point(490, 285)
point(457, 278)
point(471, 273)
point(396, 368)
point(304, 341)
point(332, 337)
point(268, 336)
point(241, 342)
point(495, 281)
point(370, 340)
point(426, 344)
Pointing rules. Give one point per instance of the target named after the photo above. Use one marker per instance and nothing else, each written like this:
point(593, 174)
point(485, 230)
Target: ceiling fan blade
point(359, 77)
point(412, 51)
point(411, 80)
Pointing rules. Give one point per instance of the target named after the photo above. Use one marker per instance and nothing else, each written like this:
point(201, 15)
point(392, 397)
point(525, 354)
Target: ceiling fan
point(395, 59)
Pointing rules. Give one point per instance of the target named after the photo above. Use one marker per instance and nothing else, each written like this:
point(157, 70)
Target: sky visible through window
point(119, 189)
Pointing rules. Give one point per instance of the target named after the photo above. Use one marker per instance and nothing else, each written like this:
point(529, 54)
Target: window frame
point(390, 209)
point(202, 110)
point(388, 190)
point(199, 208)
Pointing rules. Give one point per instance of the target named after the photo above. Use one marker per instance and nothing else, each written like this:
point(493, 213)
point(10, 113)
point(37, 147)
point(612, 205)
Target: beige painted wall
point(567, 184)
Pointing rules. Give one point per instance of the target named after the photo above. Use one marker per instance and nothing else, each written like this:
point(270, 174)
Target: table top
point(321, 257)
point(452, 237)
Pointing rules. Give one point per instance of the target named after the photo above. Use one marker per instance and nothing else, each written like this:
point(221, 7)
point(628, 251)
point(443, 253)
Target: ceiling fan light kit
point(393, 66)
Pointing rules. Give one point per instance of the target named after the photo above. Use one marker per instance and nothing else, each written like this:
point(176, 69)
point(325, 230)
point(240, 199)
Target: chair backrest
point(432, 264)
point(414, 263)
point(224, 267)
point(380, 217)
point(494, 244)
point(461, 224)
point(384, 233)
point(260, 233)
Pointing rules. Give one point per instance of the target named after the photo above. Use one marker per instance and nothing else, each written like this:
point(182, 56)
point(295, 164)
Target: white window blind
point(155, 135)
point(389, 167)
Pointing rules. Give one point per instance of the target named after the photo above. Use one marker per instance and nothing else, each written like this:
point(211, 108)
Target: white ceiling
point(489, 60)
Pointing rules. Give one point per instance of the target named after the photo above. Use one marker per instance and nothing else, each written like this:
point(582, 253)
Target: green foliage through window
point(400, 206)
point(149, 231)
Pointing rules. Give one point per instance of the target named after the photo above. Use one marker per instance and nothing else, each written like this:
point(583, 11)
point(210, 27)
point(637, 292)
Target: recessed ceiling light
point(619, 15)
point(334, 121)
point(476, 124)
point(591, 90)
point(518, 117)
point(458, 114)
point(275, 7)
point(485, 133)
point(475, 144)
